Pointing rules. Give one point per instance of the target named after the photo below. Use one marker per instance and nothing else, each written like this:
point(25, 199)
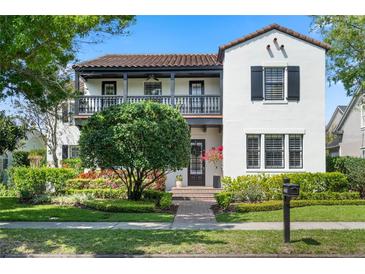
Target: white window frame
point(259, 150)
point(262, 133)
point(285, 95)
point(70, 147)
point(150, 82)
point(301, 151)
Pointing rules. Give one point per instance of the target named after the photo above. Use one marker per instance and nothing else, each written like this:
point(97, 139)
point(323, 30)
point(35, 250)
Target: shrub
point(153, 195)
point(160, 198)
point(263, 187)
point(20, 158)
point(30, 182)
point(75, 199)
point(41, 199)
point(100, 183)
point(353, 167)
point(166, 200)
point(74, 163)
point(224, 199)
point(6, 192)
point(101, 193)
point(125, 206)
point(329, 196)
point(277, 205)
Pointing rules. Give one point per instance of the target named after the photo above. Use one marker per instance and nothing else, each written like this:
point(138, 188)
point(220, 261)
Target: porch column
point(221, 90)
point(77, 88)
point(125, 87)
point(172, 88)
point(77, 81)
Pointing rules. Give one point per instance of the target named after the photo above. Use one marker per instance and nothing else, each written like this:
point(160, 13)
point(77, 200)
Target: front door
point(196, 170)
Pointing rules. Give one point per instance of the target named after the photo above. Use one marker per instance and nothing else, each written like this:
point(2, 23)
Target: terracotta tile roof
point(266, 29)
point(151, 60)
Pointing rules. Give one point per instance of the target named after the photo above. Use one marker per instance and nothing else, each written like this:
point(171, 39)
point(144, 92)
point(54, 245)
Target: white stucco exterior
point(242, 116)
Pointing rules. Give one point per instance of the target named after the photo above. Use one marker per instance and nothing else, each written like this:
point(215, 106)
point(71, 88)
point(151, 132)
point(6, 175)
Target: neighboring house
point(33, 141)
point(262, 97)
point(348, 129)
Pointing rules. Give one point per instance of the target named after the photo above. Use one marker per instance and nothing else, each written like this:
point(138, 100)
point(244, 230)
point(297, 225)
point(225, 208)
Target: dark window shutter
point(293, 83)
point(64, 152)
point(256, 83)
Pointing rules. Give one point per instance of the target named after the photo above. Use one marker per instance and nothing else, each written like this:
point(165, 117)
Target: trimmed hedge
point(74, 163)
point(101, 193)
point(100, 183)
point(277, 205)
point(30, 182)
point(255, 188)
point(327, 195)
point(125, 206)
point(160, 198)
point(224, 199)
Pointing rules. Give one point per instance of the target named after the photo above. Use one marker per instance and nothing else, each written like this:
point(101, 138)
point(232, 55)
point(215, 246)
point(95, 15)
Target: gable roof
point(341, 109)
point(266, 29)
point(352, 103)
point(151, 61)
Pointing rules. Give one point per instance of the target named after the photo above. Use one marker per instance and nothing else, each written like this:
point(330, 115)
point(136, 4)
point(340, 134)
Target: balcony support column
point(221, 90)
point(125, 87)
point(77, 88)
point(172, 88)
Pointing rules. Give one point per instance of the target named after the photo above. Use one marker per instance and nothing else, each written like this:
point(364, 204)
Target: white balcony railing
point(191, 104)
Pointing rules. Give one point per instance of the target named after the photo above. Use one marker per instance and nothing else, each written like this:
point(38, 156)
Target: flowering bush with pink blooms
point(213, 155)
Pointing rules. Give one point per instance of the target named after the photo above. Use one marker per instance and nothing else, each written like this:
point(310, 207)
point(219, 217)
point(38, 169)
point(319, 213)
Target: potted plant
point(179, 180)
point(215, 156)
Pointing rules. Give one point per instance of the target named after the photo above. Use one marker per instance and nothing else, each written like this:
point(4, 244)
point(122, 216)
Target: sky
point(200, 34)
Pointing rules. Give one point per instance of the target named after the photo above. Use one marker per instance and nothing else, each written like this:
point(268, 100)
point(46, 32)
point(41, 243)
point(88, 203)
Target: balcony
point(187, 105)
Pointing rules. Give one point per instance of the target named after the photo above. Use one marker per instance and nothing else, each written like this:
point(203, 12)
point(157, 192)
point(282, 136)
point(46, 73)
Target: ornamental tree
point(10, 133)
point(346, 62)
point(136, 141)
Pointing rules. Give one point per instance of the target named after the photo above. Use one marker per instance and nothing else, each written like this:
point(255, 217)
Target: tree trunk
point(135, 193)
point(54, 157)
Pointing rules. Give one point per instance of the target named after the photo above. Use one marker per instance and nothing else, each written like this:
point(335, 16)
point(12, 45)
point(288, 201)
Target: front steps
point(194, 193)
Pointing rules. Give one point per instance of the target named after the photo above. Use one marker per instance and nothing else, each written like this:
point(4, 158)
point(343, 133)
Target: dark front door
point(196, 169)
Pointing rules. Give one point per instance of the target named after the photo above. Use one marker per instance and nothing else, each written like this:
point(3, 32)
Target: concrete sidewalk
point(187, 226)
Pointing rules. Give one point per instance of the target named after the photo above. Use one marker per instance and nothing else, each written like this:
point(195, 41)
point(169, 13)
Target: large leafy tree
point(346, 35)
point(10, 133)
point(34, 49)
point(141, 142)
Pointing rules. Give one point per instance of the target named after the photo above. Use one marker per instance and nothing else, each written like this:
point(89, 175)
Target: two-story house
point(346, 129)
point(262, 97)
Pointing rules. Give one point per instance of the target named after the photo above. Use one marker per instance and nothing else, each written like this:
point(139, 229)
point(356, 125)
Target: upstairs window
point(253, 151)
point(152, 88)
point(295, 151)
point(196, 87)
point(274, 151)
point(274, 83)
point(109, 88)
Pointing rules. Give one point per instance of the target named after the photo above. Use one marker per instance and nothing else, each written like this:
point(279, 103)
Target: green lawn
point(319, 242)
point(12, 211)
point(349, 213)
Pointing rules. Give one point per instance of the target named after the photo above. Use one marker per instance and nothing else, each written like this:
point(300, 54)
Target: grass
point(117, 205)
point(57, 241)
point(346, 213)
point(11, 210)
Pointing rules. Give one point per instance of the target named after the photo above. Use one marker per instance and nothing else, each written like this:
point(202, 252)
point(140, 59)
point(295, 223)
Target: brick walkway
point(194, 215)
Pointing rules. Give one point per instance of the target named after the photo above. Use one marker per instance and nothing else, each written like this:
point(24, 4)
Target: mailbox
point(290, 190)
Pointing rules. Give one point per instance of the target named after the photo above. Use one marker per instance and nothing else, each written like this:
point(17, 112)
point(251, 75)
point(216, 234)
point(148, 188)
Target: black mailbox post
point(289, 191)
